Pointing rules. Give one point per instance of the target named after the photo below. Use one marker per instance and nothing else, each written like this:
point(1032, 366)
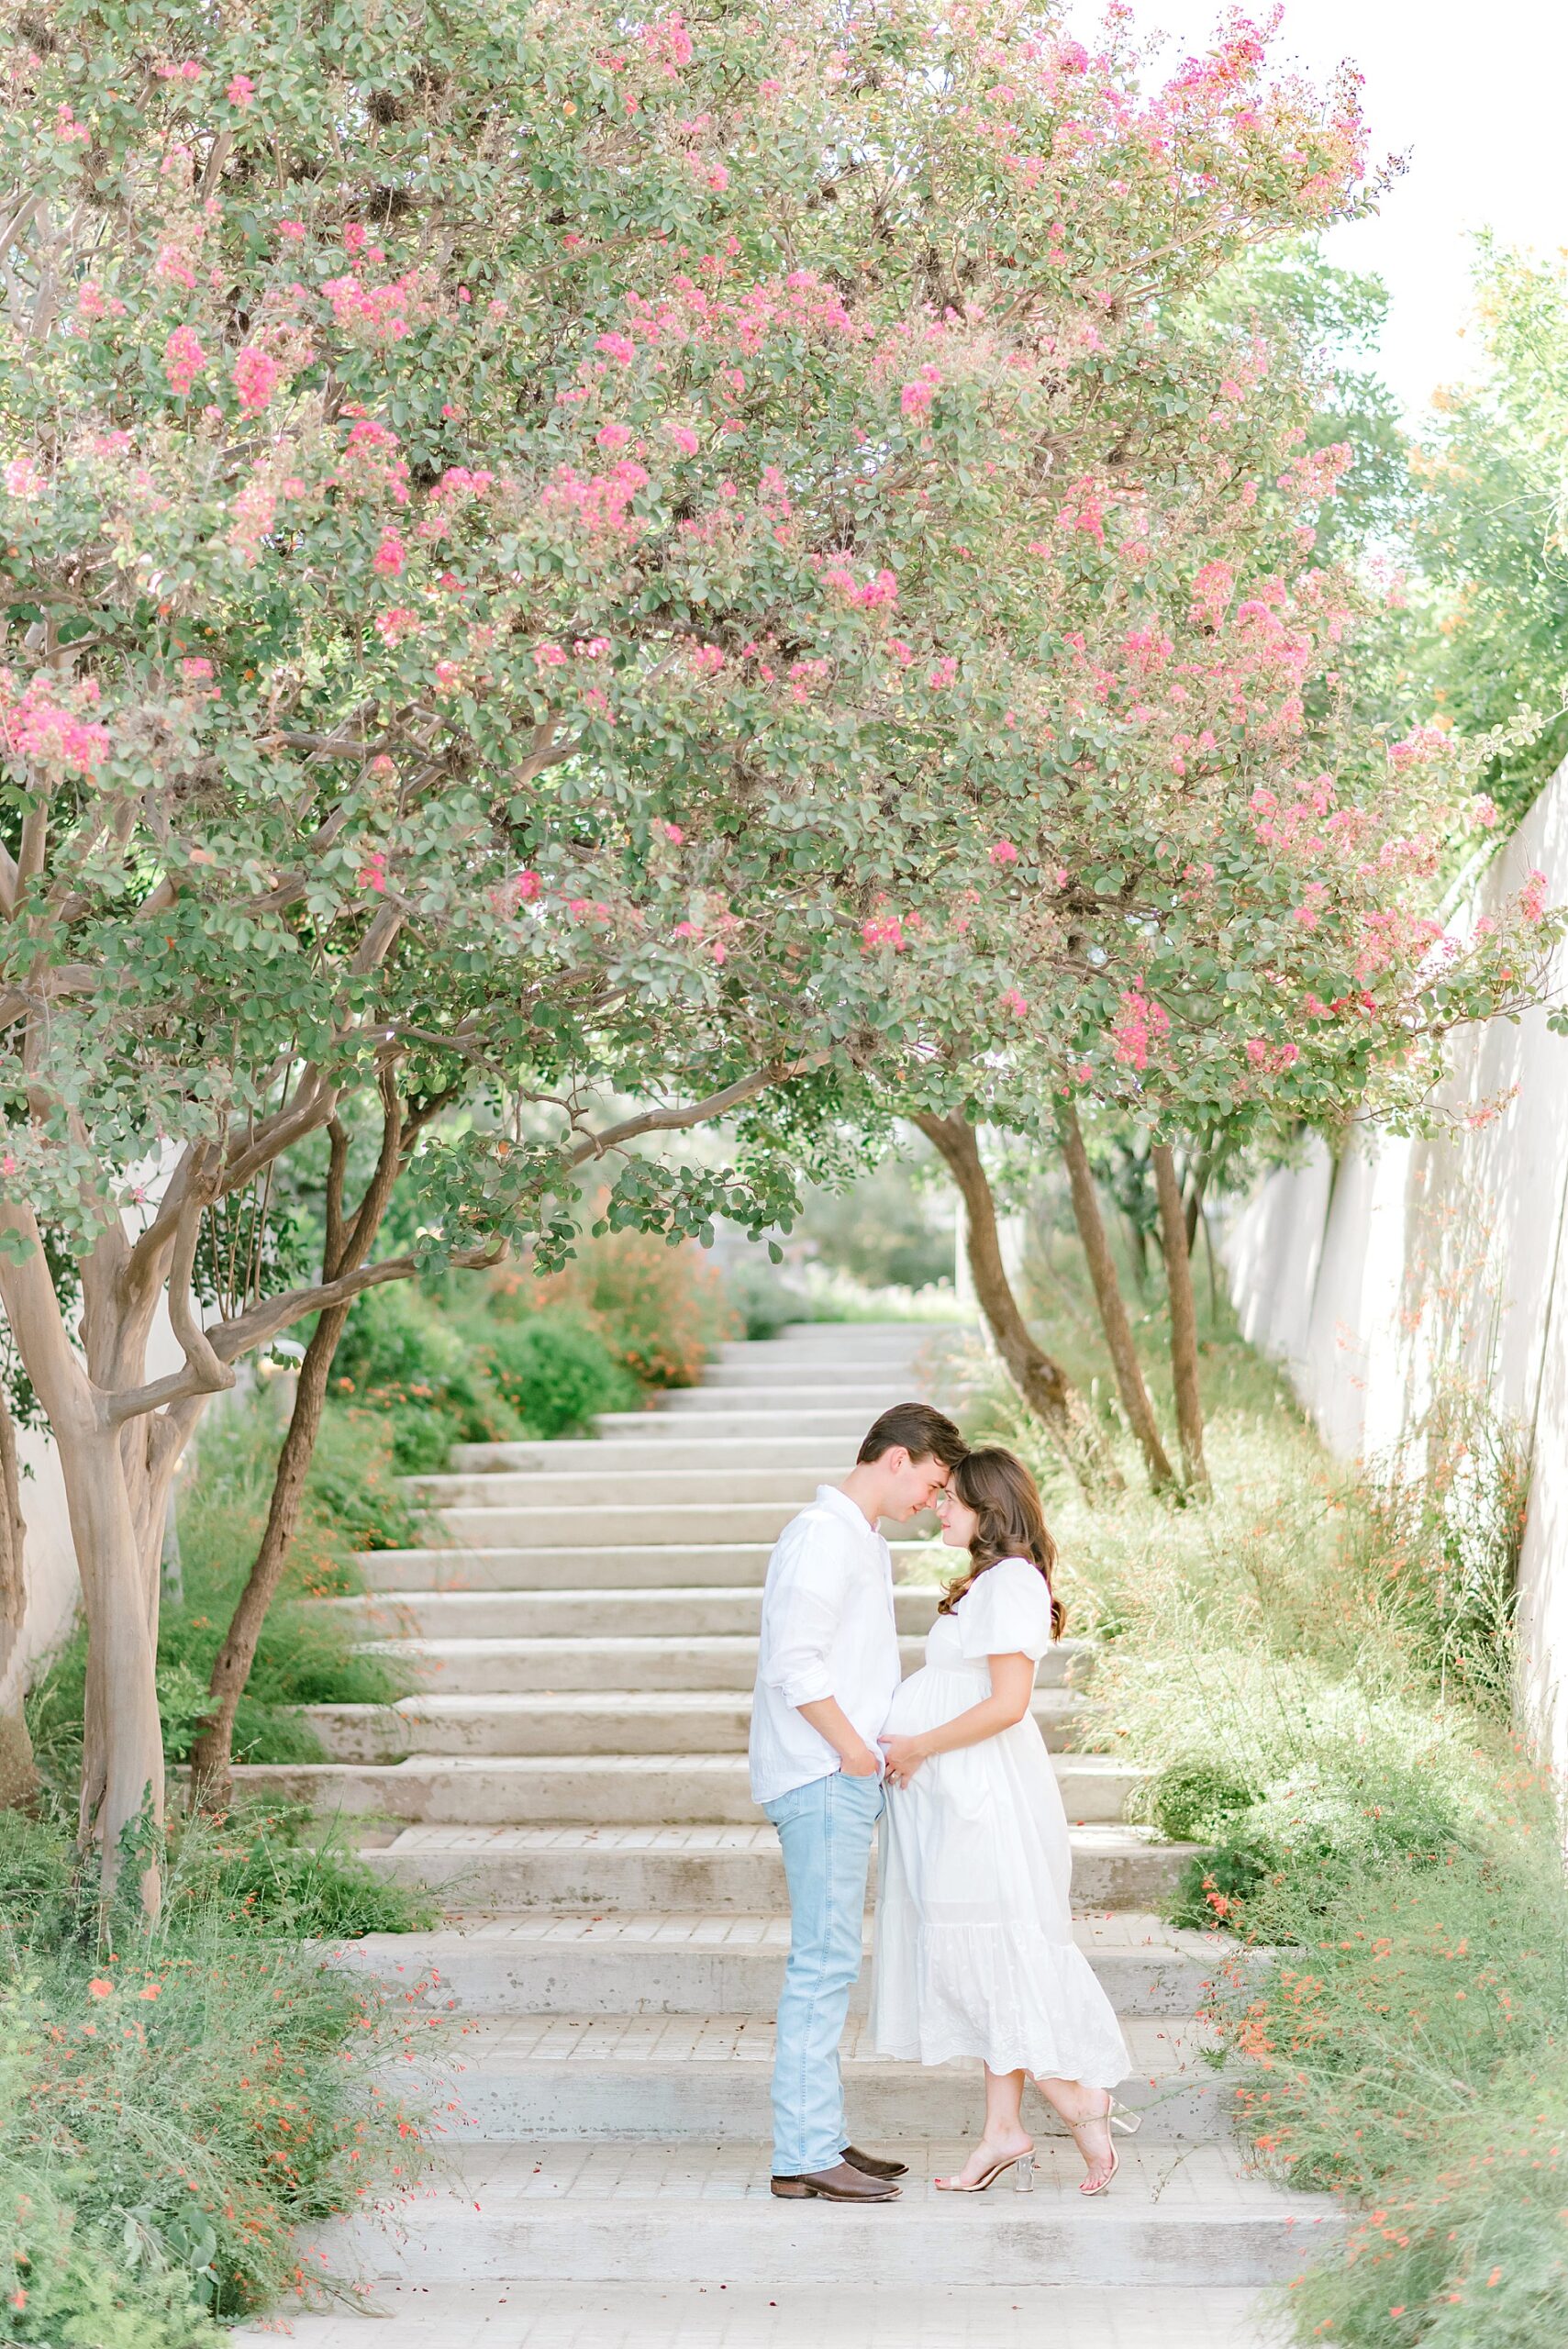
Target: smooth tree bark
point(18, 1772)
point(1184, 1318)
point(1042, 1383)
point(1130, 1387)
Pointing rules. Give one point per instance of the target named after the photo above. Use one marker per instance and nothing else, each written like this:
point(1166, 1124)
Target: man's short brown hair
point(924, 1433)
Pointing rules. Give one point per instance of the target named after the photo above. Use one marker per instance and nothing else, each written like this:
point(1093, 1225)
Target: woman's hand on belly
point(905, 1755)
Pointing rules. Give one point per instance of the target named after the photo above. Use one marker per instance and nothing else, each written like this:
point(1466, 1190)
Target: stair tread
point(1162, 2184)
point(1130, 1931)
point(630, 1701)
point(1160, 2047)
point(717, 1837)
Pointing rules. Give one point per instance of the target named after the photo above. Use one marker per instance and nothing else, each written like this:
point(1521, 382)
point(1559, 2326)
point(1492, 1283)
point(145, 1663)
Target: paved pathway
point(571, 1780)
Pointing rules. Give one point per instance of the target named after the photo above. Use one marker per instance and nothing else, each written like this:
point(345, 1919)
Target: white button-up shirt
point(828, 1630)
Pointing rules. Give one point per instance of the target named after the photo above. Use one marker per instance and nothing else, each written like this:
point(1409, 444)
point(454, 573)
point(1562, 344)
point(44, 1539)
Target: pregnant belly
point(931, 1696)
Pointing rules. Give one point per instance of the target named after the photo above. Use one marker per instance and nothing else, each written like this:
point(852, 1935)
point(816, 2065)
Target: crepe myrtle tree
point(1216, 898)
point(521, 532)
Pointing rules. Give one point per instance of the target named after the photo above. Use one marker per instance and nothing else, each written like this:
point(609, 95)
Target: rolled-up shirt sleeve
point(805, 1607)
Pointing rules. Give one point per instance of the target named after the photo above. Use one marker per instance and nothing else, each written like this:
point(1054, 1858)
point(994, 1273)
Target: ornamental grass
point(177, 2104)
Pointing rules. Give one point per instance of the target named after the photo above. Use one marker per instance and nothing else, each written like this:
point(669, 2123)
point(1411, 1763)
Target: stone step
point(665, 2212)
point(605, 1487)
point(503, 2313)
point(907, 1379)
point(631, 1868)
point(674, 1612)
point(629, 1723)
point(840, 1426)
point(590, 1525)
point(573, 1789)
point(624, 1566)
point(779, 1405)
point(666, 1445)
point(527, 2076)
point(671, 1658)
point(812, 1338)
point(537, 1962)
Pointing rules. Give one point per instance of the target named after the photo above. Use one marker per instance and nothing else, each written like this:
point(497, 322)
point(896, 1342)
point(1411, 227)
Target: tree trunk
point(212, 1756)
point(1184, 1318)
point(345, 1246)
point(1197, 1180)
point(1128, 1371)
point(122, 1761)
point(18, 1772)
point(1042, 1383)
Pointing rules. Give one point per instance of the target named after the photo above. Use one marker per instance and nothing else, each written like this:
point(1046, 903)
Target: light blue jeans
point(825, 1829)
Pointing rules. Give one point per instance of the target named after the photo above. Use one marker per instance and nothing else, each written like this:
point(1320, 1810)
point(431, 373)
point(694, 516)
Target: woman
point(975, 1947)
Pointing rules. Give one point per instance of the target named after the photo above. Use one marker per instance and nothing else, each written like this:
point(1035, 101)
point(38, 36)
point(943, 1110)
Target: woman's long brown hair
point(1010, 1523)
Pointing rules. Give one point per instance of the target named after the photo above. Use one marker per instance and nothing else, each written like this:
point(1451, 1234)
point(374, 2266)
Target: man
point(827, 1669)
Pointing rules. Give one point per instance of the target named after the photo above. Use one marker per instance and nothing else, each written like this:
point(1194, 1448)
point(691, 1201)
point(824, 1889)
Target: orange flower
point(150, 1990)
point(99, 1988)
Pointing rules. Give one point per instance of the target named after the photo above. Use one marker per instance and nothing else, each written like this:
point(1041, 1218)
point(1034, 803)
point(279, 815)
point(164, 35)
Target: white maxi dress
point(974, 1954)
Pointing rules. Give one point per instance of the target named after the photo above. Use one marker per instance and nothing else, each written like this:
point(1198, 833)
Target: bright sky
point(1475, 92)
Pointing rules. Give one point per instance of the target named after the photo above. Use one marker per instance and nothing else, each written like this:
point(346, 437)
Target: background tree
point(1489, 627)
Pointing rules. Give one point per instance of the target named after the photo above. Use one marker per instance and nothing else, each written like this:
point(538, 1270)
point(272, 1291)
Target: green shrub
point(661, 1310)
point(173, 2104)
point(1195, 1802)
point(416, 1369)
point(555, 1373)
point(761, 1300)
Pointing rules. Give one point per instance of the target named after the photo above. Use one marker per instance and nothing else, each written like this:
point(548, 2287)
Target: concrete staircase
point(571, 1779)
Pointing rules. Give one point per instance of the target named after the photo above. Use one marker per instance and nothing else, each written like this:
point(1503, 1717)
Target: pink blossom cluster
point(602, 502)
point(882, 929)
point(1141, 1029)
point(375, 314)
point(1271, 1059)
point(255, 375)
point(47, 731)
point(369, 466)
point(868, 595)
point(184, 360)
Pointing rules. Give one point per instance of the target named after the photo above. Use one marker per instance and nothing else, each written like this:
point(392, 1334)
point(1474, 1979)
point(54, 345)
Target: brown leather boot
point(841, 2183)
point(874, 2164)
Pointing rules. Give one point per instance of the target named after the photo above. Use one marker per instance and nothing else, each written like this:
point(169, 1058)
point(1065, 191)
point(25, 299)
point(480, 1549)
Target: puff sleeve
point(1006, 1612)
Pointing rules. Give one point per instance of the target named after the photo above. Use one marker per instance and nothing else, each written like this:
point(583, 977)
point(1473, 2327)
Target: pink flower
point(1532, 898)
point(916, 399)
point(882, 929)
point(197, 669)
point(942, 675)
point(390, 555)
point(1004, 852)
point(184, 360)
point(548, 656)
point(1141, 1029)
point(40, 728)
point(618, 347)
point(255, 375)
point(672, 832)
point(241, 91)
point(393, 626)
point(1014, 1002)
point(526, 884)
point(23, 479)
point(1483, 811)
point(293, 229)
point(613, 436)
point(372, 872)
point(685, 438)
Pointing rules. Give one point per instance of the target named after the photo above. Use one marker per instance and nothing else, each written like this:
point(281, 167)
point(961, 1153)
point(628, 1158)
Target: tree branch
point(676, 1119)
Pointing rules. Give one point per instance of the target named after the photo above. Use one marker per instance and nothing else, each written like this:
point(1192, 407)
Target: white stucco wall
point(1411, 1255)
